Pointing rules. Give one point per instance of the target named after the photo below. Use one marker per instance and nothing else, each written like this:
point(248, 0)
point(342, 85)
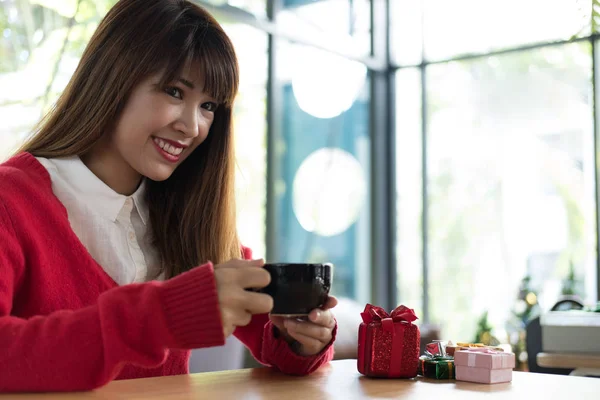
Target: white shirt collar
point(89, 188)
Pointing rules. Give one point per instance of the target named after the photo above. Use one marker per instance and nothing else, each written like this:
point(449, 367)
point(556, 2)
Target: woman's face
point(158, 129)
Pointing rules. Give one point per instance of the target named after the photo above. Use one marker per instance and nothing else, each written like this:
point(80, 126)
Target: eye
point(210, 106)
point(174, 92)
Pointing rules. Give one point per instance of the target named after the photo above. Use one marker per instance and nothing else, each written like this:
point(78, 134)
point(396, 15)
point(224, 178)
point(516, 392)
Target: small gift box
point(436, 367)
point(451, 348)
point(388, 344)
point(436, 363)
point(484, 365)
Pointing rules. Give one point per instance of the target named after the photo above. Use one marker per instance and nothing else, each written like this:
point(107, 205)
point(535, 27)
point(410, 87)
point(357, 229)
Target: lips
point(168, 146)
point(170, 150)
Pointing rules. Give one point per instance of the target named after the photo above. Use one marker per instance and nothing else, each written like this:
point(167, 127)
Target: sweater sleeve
point(83, 349)
point(271, 349)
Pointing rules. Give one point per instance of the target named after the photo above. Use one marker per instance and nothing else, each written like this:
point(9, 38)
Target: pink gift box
point(484, 365)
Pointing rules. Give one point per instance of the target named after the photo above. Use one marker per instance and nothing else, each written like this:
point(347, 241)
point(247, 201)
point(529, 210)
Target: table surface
point(337, 380)
point(568, 360)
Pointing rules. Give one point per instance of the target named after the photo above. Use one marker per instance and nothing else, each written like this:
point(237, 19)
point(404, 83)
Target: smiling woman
point(119, 223)
point(98, 119)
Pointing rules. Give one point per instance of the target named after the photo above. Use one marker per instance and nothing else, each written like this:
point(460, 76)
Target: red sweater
point(65, 325)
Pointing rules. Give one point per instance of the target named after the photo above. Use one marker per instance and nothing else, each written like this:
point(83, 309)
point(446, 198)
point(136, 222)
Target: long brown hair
point(192, 213)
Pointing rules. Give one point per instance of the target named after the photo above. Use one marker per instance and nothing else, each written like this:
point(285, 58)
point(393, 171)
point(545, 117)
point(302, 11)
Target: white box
point(572, 331)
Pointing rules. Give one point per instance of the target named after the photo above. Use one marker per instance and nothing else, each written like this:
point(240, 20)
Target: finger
point(257, 303)
point(322, 317)
point(331, 302)
point(242, 263)
point(259, 262)
point(277, 321)
point(309, 345)
point(252, 278)
point(309, 329)
point(315, 315)
point(242, 319)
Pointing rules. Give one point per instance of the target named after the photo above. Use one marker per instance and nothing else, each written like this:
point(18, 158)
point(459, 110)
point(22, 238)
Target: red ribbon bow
point(399, 314)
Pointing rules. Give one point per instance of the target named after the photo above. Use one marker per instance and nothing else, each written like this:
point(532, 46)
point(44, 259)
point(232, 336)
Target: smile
point(170, 150)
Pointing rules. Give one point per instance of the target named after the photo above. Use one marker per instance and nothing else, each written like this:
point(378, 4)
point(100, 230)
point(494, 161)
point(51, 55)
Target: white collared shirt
point(112, 227)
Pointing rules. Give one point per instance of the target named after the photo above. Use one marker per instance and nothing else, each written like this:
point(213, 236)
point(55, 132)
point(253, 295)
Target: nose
point(188, 122)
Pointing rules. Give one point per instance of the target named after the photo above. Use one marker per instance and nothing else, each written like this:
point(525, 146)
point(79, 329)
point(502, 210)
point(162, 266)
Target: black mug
point(296, 288)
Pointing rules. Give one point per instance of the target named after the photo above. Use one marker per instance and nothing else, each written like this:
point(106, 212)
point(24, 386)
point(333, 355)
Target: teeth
point(175, 151)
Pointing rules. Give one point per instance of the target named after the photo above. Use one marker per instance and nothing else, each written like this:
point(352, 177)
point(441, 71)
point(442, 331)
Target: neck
point(112, 169)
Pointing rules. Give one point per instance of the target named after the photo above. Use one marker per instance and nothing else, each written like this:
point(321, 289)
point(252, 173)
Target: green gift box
point(436, 367)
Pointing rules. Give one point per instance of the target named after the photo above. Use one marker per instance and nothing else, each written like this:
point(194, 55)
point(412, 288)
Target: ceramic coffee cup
point(297, 289)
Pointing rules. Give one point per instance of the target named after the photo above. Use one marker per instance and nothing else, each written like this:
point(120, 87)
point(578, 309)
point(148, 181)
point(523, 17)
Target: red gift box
point(388, 344)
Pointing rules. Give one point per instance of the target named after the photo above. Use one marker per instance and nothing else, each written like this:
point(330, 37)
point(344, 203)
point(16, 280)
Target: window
point(510, 180)
point(250, 134)
point(509, 165)
point(348, 31)
point(322, 164)
point(409, 204)
point(39, 50)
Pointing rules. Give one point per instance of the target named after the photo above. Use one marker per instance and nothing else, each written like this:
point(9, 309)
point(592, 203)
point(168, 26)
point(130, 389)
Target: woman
point(119, 250)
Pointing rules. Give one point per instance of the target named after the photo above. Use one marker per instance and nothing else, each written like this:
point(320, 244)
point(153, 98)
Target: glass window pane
point(406, 31)
point(256, 7)
point(250, 134)
point(511, 185)
point(457, 27)
point(343, 24)
point(37, 58)
point(322, 165)
point(409, 183)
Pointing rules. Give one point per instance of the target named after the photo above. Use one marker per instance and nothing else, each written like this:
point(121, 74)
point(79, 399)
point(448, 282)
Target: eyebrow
point(187, 83)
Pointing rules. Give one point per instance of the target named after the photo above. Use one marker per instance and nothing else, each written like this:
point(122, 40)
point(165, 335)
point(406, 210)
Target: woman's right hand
point(237, 305)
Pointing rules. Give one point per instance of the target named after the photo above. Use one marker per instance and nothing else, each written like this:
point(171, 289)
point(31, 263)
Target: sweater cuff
point(280, 355)
point(191, 306)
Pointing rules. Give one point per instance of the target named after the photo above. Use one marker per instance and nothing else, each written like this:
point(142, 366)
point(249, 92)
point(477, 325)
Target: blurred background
point(441, 153)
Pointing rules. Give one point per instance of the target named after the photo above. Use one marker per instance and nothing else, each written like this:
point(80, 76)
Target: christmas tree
point(484, 332)
point(571, 286)
point(526, 307)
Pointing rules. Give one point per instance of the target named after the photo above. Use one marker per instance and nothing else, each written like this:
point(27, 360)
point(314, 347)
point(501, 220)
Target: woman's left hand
point(311, 335)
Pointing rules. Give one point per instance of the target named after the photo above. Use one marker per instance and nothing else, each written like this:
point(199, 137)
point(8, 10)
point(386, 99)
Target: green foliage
point(595, 20)
point(571, 285)
point(38, 19)
point(593, 24)
point(5, 60)
point(484, 332)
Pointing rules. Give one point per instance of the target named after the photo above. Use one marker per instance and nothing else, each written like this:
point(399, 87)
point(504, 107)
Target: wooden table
point(338, 380)
point(582, 364)
point(567, 360)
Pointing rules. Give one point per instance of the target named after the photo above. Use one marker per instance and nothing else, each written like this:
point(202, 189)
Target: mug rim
point(282, 264)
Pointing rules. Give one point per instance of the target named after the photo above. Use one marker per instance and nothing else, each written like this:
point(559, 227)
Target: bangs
point(204, 46)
